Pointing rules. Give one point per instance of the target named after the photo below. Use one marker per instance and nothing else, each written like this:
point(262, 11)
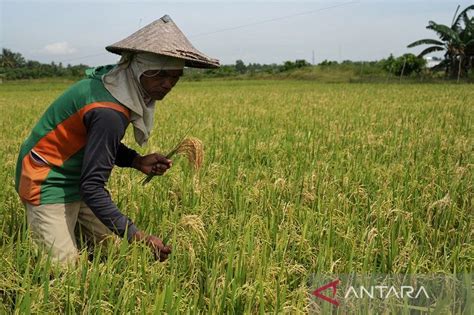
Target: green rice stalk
point(191, 148)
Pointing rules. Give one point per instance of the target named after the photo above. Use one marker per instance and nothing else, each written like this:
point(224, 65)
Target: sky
point(74, 32)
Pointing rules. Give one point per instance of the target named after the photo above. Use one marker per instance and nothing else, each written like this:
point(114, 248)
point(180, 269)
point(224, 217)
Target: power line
point(243, 25)
point(274, 19)
point(84, 57)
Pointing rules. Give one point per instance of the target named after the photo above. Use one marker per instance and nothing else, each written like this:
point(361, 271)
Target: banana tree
point(456, 41)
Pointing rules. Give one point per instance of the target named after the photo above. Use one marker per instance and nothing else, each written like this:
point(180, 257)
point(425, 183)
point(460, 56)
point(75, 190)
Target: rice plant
point(299, 178)
point(189, 147)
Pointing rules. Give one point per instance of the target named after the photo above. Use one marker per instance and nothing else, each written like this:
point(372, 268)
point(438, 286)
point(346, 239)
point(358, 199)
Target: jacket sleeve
point(125, 156)
point(105, 129)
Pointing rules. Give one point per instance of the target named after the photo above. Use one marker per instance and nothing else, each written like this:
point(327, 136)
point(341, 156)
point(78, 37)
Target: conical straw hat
point(163, 37)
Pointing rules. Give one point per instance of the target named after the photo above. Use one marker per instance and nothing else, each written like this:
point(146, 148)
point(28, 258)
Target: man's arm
point(105, 128)
point(152, 163)
point(125, 156)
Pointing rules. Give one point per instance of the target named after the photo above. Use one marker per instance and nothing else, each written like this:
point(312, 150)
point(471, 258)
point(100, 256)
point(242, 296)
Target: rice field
point(298, 178)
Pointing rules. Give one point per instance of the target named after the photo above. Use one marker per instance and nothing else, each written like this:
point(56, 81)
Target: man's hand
point(154, 163)
point(160, 250)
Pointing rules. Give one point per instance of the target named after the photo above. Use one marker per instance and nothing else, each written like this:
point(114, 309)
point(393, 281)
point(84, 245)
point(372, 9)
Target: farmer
point(65, 162)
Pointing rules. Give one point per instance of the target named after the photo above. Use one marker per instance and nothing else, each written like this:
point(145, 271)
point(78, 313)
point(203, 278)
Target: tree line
point(13, 66)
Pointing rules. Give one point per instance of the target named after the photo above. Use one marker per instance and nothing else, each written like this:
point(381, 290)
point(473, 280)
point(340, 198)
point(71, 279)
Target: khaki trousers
point(56, 227)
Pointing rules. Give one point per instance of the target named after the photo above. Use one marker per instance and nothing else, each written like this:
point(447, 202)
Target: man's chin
point(158, 97)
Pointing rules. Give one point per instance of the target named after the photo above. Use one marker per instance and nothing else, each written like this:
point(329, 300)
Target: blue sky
point(77, 31)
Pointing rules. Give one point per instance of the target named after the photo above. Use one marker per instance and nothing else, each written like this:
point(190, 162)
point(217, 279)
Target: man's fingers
point(160, 255)
point(160, 250)
point(159, 169)
point(163, 254)
point(166, 250)
point(160, 159)
point(162, 167)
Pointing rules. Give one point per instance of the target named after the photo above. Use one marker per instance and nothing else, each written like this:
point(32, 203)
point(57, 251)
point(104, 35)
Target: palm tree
point(9, 59)
point(457, 41)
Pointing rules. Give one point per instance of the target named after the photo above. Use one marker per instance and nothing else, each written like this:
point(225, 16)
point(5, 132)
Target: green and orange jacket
point(72, 149)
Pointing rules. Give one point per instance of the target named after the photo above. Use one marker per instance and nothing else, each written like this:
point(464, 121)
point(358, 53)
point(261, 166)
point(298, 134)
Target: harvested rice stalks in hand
point(190, 147)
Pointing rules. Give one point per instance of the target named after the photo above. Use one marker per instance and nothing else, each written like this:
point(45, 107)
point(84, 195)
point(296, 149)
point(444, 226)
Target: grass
point(298, 178)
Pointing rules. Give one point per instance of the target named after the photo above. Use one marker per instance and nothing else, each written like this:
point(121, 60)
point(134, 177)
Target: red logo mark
point(332, 285)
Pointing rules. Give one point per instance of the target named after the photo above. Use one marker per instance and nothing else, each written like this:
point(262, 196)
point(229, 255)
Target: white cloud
point(60, 48)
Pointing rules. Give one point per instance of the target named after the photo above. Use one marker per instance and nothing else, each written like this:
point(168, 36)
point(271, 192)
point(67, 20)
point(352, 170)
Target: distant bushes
point(404, 65)
point(240, 68)
point(44, 71)
point(14, 67)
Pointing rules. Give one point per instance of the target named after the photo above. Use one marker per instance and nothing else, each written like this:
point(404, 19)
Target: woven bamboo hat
point(163, 37)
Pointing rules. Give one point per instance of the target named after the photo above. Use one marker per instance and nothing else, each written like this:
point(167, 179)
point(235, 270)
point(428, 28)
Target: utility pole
point(313, 58)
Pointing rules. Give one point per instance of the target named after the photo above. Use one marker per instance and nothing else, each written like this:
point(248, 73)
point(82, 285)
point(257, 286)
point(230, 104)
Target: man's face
point(157, 83)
